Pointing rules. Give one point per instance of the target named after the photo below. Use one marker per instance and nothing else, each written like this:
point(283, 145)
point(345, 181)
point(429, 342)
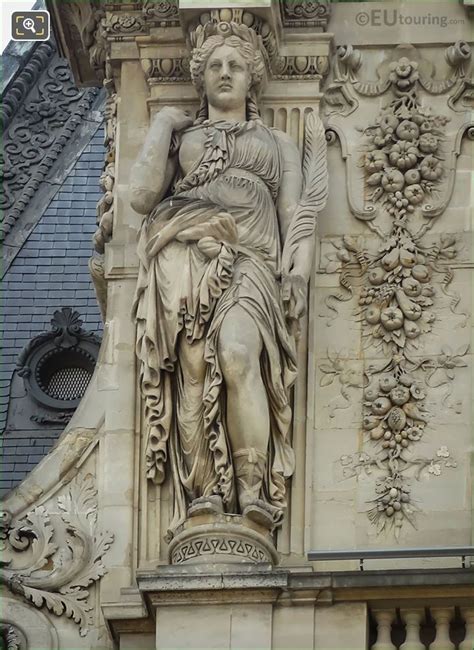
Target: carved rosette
point(51, 560)
point(408, 182)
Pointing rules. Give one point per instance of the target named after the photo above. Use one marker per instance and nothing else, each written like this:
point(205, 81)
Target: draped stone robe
point(214, 244)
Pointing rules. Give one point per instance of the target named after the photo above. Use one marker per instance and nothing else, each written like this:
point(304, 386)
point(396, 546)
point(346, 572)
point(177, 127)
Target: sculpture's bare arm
point(291, 182)
point(295, 282)
point(154, 169)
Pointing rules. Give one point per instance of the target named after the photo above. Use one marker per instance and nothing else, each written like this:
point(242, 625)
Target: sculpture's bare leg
point(239, 352)
point(248, 421)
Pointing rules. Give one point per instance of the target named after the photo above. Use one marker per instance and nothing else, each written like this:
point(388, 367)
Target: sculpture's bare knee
point(239, 347)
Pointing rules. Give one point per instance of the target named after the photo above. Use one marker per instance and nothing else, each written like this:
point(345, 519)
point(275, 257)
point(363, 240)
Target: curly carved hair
point(252, 56)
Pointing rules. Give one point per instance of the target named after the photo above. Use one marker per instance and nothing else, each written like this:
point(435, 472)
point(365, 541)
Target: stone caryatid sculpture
point(225, 255)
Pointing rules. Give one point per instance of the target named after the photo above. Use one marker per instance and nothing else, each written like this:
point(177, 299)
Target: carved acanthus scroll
point(64, 554)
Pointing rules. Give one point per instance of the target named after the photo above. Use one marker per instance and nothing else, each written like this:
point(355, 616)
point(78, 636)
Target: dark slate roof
point(20, 453)
point(49, 272)
point(42, 112)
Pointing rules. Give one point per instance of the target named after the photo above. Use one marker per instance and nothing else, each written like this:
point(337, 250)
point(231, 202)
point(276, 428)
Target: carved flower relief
point(402, 165)
point(393, 417)
point(428, 143)
point(404, 74)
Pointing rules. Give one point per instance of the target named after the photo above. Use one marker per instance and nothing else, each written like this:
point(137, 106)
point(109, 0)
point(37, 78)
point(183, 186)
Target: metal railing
point(393, 554)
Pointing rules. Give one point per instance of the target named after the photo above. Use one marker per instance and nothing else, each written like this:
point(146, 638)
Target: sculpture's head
point(228, 69)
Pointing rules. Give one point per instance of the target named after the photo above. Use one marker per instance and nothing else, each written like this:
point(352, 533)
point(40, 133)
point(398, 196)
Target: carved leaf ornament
point(65, 554)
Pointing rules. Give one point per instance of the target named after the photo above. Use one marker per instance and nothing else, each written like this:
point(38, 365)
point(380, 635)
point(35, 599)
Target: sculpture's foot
point(262, 513)
point(206, 506)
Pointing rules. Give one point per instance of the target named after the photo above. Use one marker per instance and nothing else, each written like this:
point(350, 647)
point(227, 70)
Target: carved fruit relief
point(407, 182)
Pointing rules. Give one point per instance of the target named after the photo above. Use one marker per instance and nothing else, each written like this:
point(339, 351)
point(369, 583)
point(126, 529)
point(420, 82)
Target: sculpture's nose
point(225, 71)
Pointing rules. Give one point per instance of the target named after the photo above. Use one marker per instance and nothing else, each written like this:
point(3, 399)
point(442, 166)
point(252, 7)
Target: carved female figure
point(213, 339)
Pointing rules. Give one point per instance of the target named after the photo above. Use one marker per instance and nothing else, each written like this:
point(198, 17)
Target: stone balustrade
point(422, 628)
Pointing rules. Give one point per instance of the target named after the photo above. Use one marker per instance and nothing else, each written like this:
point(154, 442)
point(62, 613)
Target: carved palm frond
point(315, 189)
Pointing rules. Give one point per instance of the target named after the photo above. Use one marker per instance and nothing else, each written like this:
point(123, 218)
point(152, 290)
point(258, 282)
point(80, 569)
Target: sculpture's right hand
point(175, 118)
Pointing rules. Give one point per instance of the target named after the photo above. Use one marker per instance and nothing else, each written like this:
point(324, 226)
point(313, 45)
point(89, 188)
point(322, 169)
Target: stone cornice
point(90, 35)
point(170, 586)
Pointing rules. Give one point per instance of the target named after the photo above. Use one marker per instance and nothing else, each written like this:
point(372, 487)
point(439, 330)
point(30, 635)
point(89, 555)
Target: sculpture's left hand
point(294, 290)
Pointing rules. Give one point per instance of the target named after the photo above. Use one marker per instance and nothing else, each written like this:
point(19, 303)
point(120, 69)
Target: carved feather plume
point(315, 189)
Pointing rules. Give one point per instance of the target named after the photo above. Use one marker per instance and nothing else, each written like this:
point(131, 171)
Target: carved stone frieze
point(167, 70)
point(164, 12)
point(41, 128)
point(124, 24)
point(301, 67)
point(220, 539)
point(50, 560)
point(407, 155)
point(305, 13)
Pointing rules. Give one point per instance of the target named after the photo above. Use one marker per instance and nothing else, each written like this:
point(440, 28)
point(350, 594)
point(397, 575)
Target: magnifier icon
point(29, 24)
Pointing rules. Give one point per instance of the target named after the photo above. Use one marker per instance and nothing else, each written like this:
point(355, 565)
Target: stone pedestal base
point(221, 539)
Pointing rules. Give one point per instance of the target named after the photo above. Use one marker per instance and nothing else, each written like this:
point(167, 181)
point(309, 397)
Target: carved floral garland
point(403, 169)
